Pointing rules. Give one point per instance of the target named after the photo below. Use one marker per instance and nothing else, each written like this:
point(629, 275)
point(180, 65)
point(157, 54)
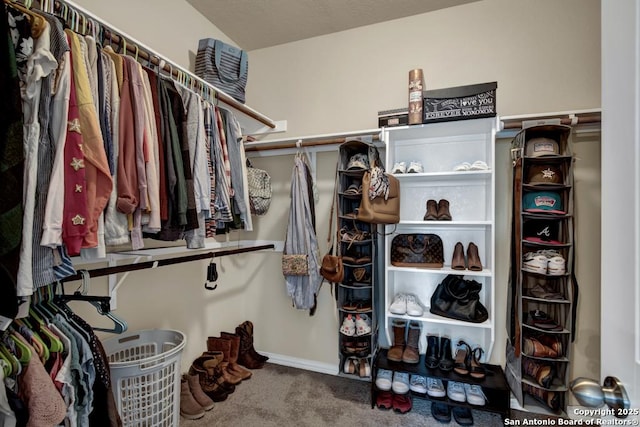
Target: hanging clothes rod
point(311, 141)
point(98, 272)
point(138, 49)
point(572, 119)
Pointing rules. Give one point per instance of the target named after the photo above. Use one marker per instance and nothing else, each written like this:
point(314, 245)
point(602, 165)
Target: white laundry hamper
point(145, 376)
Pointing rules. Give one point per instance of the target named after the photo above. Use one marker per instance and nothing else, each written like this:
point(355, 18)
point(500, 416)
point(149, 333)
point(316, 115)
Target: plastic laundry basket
point(145, 376)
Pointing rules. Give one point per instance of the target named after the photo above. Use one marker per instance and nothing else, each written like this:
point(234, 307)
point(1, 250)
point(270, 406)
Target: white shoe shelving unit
point(440, 147)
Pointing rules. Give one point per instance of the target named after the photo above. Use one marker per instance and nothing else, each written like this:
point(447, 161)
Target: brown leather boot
point(432, 211)
point(473, 259)
point(457, 262)
point(199, 395)
point(248, 326)
point(411, 353)
point(245, 358)
point(549, 398)
point(236, 369)
point(443, 210)
point(396, 351)
point(211, 383)
point(542, 373)
point(223, 345)
point(189, 407)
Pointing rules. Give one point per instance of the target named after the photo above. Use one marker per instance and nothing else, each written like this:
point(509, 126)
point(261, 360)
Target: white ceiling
point(256, 24)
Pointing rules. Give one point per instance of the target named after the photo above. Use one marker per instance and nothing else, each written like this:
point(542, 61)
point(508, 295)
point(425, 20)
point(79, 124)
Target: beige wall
point(544, 55)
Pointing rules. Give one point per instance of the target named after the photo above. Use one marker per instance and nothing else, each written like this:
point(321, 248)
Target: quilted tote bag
point(224, 66)
point(260, 192)
point(417, 250)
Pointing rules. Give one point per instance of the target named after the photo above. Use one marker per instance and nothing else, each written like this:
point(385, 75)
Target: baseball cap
point(543, 201)
point(541, 146)
point(358, 161)
point(542, 231)
point(545, 174)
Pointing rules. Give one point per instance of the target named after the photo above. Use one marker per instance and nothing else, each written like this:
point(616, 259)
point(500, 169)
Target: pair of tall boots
point(405, 350)
point(193, 401)
point(229, 345)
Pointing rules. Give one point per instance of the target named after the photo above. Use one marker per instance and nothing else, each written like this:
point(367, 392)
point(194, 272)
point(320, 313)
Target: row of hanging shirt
point(55, 370)
point(113, 152)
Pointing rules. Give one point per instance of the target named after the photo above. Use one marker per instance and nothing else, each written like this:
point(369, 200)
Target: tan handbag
point(379, 210)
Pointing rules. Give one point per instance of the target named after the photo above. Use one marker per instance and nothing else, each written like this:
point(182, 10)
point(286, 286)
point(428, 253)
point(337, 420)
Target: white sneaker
point(348, 327)
point(418, 383)
point(455, 391)
point(399, 167)
point(556, 266)
point(383, 379)
point(475, 395)
point(400, 383)
point(414, 308)
point(435, 387)
point(399, 304)
point(363, 324)
point(535, 263)
point(415, 167)
point(464, 166)
point(479, 165)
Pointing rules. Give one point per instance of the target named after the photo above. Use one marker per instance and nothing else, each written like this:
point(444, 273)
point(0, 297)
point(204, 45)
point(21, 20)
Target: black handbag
point(457, 298)
point(417, 250)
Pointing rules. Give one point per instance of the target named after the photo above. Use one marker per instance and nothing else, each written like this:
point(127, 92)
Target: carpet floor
point(279, 396)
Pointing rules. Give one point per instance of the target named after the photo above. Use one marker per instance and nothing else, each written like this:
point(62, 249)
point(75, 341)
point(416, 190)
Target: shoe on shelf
point(462, 167)
point(399, 167)
point(414, 307)
point(348, 327)
point(549, 398)
point(535, 262)
point(432, 357)
point(415, 167)
point(462, 415)
point(556, 266)
point(364, 368)
point(474, 394)
point(479, 165)
point(443, 210)
point(402, 403)
point(455, 391)
point(477, 369)
point(463, 358)
point(445, 362)
point(532, 346)
point(383, 379)
point(544, 292)
point(400, 384)
point(411, 353)
point(458, 261)
point(399, 304)
point(441, 412)
point(350, 366)
point(435, 388)
point(473, 258)
point(384, 400)
point(542, 373)
point(363, 324)
point(432, 211)
point(418, 383)
point(397, 348)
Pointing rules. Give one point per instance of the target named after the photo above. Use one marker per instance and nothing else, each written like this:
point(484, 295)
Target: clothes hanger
point(212, 275)
point(24, 355)
point(11, 358)
point(7, 369)
point(53, 342)
point(37, 22)
point(102, 305)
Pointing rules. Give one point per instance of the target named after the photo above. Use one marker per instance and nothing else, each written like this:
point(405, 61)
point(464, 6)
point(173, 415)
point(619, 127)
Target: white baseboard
point(306, 364)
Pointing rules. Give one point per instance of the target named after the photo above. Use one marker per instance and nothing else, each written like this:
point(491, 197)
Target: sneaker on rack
point(418, 383)
point(415, 167)
point(435, 387)
point(475, 395)
point(400, 383)
point(399, 167)
point(414, 308)
point(399, 304)
point(535, 262)
point(383, 379)
point(455, 391)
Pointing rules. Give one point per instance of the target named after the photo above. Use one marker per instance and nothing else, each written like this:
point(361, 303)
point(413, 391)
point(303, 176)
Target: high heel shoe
point(463, 357)
point(477, 370)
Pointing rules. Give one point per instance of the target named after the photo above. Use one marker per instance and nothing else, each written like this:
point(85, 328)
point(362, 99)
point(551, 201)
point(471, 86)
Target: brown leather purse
point(417, 250)
point(379, 210)
point(331, 267)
